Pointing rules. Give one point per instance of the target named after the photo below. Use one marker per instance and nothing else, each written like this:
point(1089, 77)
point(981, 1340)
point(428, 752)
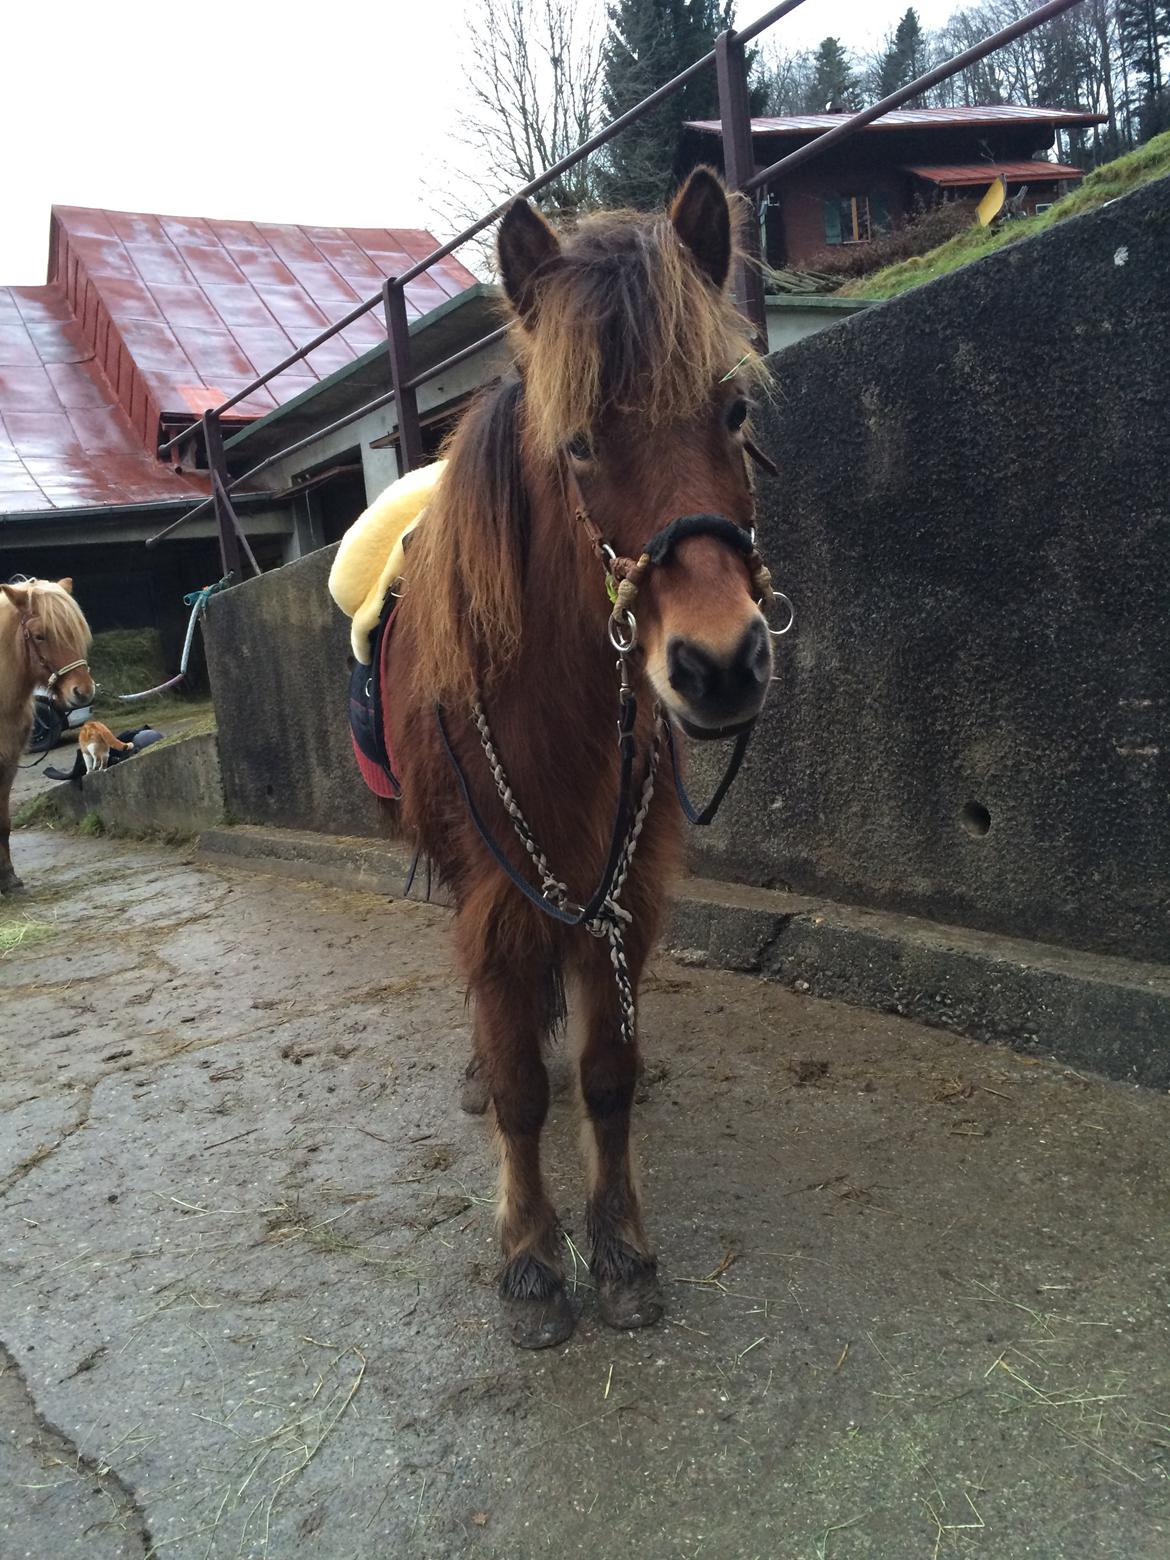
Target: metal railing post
point(229, 543)
point(410, 450)
point(739, 165)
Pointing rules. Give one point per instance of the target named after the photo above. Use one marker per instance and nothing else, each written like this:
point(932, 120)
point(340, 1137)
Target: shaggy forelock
point(625, 324)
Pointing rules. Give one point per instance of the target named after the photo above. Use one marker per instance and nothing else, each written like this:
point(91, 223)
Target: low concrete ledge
point(345, 861)
point(171, 788)
point(1109, 1014)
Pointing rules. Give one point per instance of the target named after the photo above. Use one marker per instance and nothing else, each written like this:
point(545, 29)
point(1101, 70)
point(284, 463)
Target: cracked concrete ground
point(917, 1287)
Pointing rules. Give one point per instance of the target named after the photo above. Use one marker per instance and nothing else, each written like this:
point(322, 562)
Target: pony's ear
point(702, 219)
point(16, 594)
point(67, 584)
point(529, 251)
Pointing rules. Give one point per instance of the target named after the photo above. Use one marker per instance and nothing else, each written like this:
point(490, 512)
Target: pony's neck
point(17, 679)
point(564, 636)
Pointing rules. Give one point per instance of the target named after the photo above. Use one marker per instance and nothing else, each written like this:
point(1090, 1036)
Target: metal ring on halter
point(778, 633)
point(616, 623)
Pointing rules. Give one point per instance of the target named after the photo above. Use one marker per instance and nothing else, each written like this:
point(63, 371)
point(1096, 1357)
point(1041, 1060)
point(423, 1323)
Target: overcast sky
point(336, 113)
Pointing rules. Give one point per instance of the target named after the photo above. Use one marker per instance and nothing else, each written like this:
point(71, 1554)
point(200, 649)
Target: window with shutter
point(832, 222)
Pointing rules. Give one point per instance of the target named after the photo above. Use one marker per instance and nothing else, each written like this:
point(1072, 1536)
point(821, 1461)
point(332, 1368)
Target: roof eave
point(481, 293)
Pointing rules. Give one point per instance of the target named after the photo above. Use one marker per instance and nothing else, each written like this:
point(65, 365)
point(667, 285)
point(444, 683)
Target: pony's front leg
point(623, 1264)
point(511, 1013)
point(9, 881)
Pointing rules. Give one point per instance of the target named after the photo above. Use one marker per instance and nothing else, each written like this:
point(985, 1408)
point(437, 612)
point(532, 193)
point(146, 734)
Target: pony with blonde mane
point(629, 402)
point(44, 642)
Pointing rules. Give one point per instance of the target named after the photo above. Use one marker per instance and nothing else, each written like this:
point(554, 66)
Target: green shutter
point(879, 216)
point(832, 222)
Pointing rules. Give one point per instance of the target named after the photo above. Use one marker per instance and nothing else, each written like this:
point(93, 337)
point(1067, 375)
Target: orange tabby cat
point(95, 742)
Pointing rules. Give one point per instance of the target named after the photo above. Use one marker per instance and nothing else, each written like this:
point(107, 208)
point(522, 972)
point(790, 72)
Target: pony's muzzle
point(720, 690)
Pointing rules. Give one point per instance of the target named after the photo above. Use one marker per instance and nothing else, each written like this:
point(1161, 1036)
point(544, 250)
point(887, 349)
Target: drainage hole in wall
point(975, 819)
point(271, 791)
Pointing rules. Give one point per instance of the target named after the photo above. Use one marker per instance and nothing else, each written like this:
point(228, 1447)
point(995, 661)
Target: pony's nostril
point(752, 664)
point(692, 672)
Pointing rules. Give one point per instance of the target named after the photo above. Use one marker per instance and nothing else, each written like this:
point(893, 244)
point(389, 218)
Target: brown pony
point(627, 411)
point(44, 640)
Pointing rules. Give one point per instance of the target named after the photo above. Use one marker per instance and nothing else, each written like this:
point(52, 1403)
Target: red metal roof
point(1034, 172)
point(183, 311)
point(64, 440)
point(147, 317)
point(918, 119)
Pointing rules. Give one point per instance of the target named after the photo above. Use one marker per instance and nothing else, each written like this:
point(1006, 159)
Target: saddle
point(369, 564)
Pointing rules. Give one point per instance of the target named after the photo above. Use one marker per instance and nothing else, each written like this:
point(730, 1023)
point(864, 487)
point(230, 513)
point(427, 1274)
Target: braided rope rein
point(611, 921)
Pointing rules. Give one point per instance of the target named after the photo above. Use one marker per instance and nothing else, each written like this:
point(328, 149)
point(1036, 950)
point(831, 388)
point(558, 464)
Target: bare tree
point(783, 79)
point(532, 74)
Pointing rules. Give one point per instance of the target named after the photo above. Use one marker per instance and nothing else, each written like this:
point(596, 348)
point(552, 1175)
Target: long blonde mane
point(63, 623)
point(626, 324)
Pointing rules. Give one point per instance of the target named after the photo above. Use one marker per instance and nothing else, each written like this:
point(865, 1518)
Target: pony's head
point(52, 632)
point(637, 374)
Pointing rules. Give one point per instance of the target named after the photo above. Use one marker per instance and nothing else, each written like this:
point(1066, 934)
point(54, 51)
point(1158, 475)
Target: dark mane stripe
point(471, 556)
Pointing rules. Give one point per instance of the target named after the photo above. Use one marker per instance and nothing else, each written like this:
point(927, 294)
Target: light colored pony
point(44, 643)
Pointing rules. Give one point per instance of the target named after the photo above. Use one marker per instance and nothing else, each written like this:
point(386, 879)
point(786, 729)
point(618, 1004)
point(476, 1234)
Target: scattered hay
point(21, 931)
point(268, 1465)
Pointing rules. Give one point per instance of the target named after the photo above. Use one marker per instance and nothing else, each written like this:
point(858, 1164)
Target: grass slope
point(1106, 183)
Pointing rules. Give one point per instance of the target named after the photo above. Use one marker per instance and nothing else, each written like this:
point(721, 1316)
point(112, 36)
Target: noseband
point(624, 576)
point(35, 655)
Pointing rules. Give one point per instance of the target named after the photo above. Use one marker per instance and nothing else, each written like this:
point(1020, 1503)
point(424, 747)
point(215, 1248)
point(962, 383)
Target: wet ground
point(917, 1287)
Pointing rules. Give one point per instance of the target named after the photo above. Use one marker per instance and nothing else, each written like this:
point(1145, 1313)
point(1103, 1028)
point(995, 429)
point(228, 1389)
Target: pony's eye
point(737, 414)
point(581, 447)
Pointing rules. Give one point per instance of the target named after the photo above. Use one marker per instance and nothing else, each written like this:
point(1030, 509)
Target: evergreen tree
point(648, 42)
point(905, 56)
point(1143, 31)
point(834, 87)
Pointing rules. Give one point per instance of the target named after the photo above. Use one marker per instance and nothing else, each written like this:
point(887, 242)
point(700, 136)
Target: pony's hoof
point(540, 1324)
point(474, 1095)
point(10, 884)
point(633, 1302)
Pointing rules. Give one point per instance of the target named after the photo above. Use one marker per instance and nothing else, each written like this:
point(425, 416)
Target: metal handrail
point(335, 427)
point(605, 134)
point(729, 58)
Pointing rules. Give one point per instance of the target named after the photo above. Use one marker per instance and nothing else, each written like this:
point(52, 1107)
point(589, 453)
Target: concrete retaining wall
point(974, 523)
point(276, 654)
point(172, 788)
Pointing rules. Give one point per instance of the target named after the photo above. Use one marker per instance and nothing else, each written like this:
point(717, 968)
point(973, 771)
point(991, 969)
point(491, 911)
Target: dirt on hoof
point(540, 1324)
point(628, 1304)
